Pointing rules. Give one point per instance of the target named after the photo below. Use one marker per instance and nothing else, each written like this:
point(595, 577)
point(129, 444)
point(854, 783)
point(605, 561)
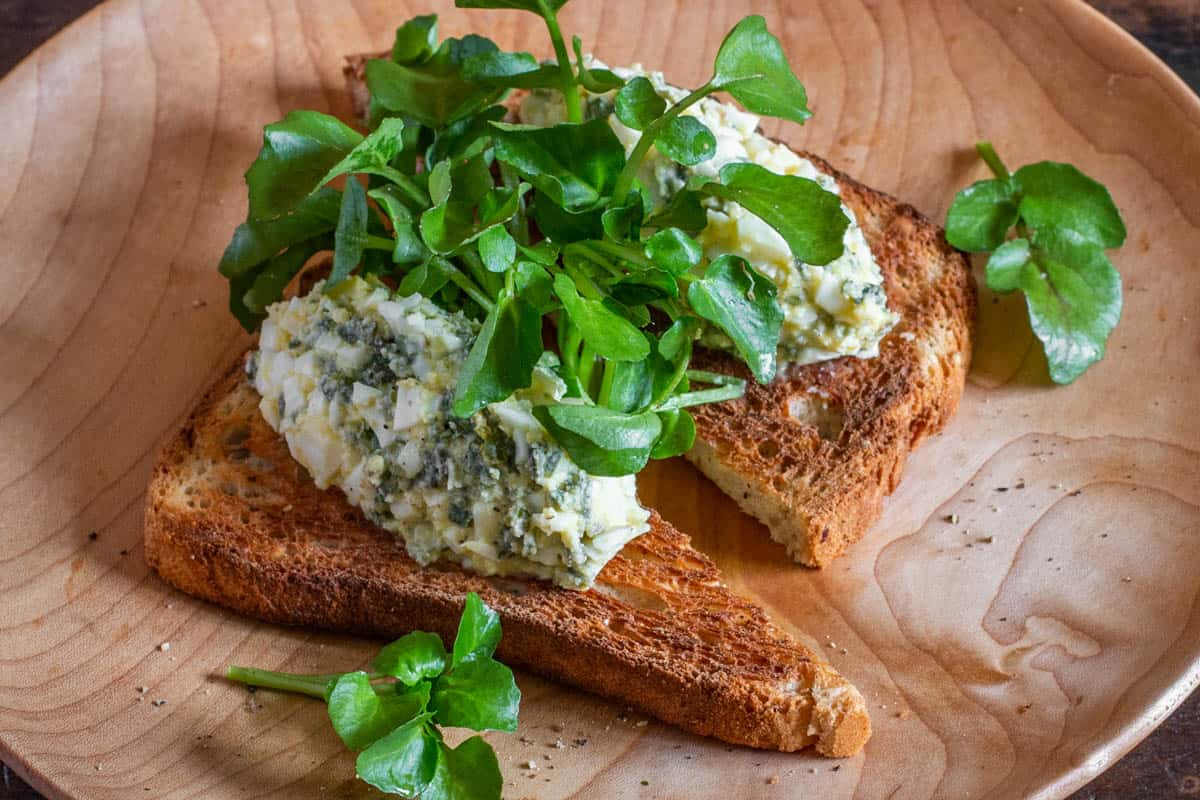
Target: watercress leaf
point(752, 67)
point(518, 5)
point(742, 303)
point(409, 248)
point(684, 211)
point(373, 153)
point(350, 237)
point(637, 104)
point(404, 761)
point(256, 241)
point(981, 215)
point(810, 219)
point(1059, 196)
point(497, 248)
point(674, 251)
point(468, 772)
point(639, 315)
point(597, 81)
point(412, 657)
point(459, 51)
point(296, 153)
point(599, 440)
point(559, 225)
point(467, 203)
point(511, 70)
point(1005, 265)
point(416, 40)
point(500, 204)
point(439, 183)
point(1074, 297)
point(270, 281)
point(360, 715)
point(632, 385)
point(600, 81)
point(434, 93)
point(534, 285)
point(238, 287)
point(502, 358)
point(645, 287)
point(678, 434)
point(624, 222)
point(686, 140)
point(427, 278)
point(465, 138)
point(544, 252)
point(478, 628)
point(676, 342)
point(612, 336)
point(454, 223)
point(479, 694)
point(573, 165)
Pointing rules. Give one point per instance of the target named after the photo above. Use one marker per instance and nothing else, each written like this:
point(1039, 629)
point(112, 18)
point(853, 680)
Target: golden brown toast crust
point(233, 519)
point(813, 454)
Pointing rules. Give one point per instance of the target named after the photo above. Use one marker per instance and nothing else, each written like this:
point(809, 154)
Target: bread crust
point(233, 519)
point(813, 454)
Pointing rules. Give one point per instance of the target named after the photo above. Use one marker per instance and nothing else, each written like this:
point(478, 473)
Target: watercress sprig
point(524, 228)
point(1063, 222)
point(393, 714)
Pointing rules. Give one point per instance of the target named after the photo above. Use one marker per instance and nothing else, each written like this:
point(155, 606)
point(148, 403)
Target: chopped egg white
point(360, 384)
point(831, 310)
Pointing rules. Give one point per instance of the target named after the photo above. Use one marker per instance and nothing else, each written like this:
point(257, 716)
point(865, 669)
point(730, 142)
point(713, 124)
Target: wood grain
point(1005, 655)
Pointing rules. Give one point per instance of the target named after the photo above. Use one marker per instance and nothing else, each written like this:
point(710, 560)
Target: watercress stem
point(407, 185)
point(606, 383)
point(469, 286)
point(625, 179)
point(703, 396)
point(623, 251)
point(311, 685)
point(569, 338)
point(715, 378)
point(990, 157)
point(490, 281)
point(518, 226)
point(569, 90)
point(587, 364)
point(380, 243)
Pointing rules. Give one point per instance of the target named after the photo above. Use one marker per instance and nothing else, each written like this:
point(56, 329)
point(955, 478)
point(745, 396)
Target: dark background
point(1167, 764)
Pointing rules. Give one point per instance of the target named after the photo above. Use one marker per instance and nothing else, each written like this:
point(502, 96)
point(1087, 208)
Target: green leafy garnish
point(1064, 222)
point(393, 714)
point(741, 302)
point(542, 235)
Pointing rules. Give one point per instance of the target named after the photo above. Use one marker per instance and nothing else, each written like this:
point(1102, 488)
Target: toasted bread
point(813, 453)
point(233, 519)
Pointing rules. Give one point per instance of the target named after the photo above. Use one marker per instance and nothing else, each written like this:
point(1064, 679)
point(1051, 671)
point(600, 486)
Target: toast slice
point(233, 519)
point(813, 454)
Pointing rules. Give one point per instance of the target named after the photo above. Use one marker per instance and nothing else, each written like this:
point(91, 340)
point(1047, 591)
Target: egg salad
point(832, 310)
point(360, 382)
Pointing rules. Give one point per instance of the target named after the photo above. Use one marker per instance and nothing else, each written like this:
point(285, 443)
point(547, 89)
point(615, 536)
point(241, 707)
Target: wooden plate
point(1024, 613)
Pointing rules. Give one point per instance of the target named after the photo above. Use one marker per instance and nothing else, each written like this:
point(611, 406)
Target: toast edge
point(187, 551)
